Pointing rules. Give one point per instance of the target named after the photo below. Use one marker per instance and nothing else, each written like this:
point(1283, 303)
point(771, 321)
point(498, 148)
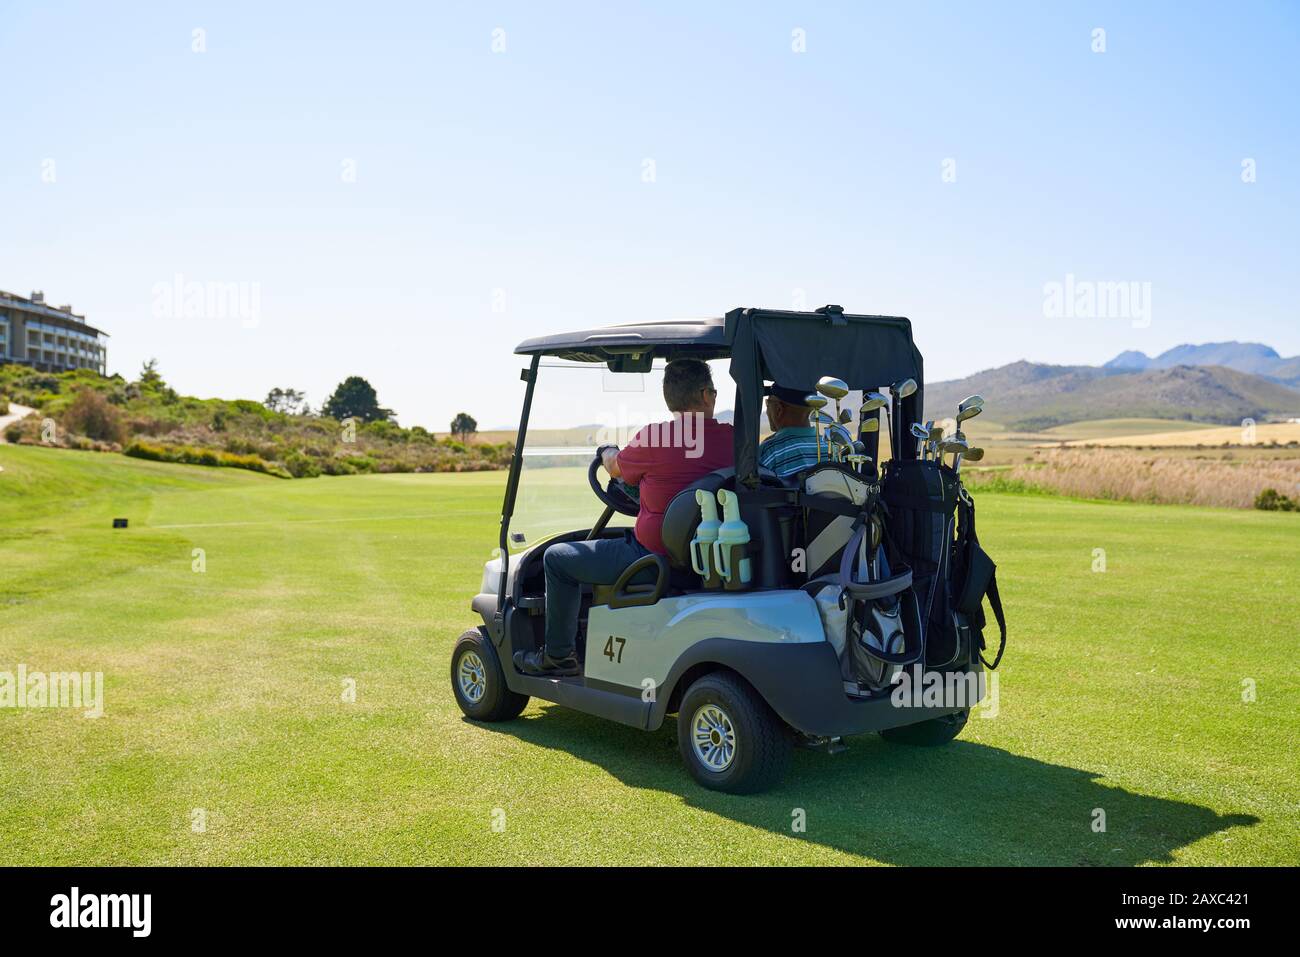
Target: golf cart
point(838, 592)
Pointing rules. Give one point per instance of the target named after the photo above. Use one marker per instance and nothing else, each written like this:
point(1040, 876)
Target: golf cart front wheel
point(729, 738)
point(930, 733)
point(478, 682)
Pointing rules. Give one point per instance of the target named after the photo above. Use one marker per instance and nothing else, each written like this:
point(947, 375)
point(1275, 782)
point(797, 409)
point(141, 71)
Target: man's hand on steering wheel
point(608, 455)
point(618, 495)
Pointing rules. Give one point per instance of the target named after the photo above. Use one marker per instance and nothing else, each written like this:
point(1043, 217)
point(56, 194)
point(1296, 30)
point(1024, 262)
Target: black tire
point(928, 734)
point(762, 742)
point(496, 702)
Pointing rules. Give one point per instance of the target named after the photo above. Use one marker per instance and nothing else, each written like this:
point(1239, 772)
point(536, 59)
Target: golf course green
point(1145, 713)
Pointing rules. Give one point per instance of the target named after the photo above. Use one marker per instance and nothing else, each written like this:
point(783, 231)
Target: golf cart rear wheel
point(478, 682)
point(930, 733)
point(729, 738)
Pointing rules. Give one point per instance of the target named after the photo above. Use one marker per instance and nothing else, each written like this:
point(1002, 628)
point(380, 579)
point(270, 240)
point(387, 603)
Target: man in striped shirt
point(792, 446)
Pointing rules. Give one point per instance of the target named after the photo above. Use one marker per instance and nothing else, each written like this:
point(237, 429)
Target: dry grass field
point(1281, 433)
point(1154, 478)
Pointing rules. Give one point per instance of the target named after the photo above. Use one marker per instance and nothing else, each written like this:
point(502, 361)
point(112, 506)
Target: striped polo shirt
point(791, 450)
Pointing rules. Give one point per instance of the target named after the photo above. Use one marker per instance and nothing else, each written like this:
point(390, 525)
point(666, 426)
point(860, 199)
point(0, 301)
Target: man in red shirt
point(661, 459)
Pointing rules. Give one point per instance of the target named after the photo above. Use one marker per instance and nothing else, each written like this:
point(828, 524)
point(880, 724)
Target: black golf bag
point(868, 607)
point(930, 521)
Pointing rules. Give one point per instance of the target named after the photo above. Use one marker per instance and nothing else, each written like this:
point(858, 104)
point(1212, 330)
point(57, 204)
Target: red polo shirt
point(665, 457)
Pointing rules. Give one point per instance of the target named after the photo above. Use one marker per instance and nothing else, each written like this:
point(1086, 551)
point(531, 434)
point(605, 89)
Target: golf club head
point(954, 446)
point(919, 431)
point(903, 388)
point(968, 413)
point(870, 425)
point(972, 455)
point(970, 402)
point(934, 438)
point(825, 420)
point(815, 401)
point(840, 444)
point(832, 387)
point(846, 416)
point(873, 401)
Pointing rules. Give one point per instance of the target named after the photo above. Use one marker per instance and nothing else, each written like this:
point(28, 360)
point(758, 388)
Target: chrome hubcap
point(472, 677)
point(713, 737)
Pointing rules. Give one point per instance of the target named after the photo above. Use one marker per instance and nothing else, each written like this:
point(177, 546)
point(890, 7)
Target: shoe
point(542, 665)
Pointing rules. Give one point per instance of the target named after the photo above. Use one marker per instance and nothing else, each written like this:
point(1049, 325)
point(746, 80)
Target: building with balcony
point(48, 338)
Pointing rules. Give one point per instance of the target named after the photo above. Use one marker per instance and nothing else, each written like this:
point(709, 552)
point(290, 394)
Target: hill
point(147, 419)
point(1031, 396)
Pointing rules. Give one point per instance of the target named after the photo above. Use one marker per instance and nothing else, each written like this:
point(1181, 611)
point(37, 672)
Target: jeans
point(567, 565)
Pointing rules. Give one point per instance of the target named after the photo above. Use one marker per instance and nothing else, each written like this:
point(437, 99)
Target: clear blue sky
point(522, 171)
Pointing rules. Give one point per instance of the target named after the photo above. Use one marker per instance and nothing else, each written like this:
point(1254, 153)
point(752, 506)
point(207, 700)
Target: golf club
point(900, 391)
point(936, 436)
point(816, 403)
point(970, 455)
point(920, 433)
point(860, 458)
point(833, 388)
point(921, 443)
point(969, 408)
point(956, 445)
point(872, 403)
point(840, 441)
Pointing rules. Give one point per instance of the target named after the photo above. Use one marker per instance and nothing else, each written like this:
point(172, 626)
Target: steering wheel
point(618, 495)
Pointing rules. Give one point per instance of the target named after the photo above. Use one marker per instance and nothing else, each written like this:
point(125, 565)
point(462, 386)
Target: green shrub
point(1271, 500)
point(301, 466)
point(189, 455)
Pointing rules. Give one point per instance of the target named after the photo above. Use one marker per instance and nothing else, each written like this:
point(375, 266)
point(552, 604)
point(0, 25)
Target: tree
point(150, 377)
point(355, 398)
point(151, 382)
point(288, 401)
point(463, 424)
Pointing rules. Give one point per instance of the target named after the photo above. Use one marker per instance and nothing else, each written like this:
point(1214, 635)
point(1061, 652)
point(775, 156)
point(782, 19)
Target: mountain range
point(1253, 357)
point(1217, 382)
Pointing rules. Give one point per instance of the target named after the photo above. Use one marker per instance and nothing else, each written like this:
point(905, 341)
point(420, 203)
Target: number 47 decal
point(613, 655)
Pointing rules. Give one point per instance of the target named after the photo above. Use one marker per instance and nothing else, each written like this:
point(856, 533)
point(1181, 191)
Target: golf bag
point(931, 528)
point(871, 616)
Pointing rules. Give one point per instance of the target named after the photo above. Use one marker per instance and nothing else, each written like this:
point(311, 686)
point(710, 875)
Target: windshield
point(577, 407)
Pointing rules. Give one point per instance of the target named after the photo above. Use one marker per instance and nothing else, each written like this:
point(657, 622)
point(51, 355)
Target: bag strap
point(869, 591)
point(850, 553)
point(996, 602)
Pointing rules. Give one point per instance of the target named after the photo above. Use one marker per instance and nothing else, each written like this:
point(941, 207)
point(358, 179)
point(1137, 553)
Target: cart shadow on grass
point(963, 803)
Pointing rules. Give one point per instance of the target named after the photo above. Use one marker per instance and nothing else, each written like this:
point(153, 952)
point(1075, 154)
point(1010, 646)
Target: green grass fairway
point(1121, 692)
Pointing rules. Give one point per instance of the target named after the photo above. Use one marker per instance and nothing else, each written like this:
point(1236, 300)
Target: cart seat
point(682, 519)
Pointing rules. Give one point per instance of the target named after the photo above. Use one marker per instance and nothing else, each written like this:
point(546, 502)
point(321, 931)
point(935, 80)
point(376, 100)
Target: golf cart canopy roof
point(622, 346)
point(792, 348)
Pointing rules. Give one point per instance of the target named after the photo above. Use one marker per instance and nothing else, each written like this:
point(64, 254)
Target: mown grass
point(1122, 690)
